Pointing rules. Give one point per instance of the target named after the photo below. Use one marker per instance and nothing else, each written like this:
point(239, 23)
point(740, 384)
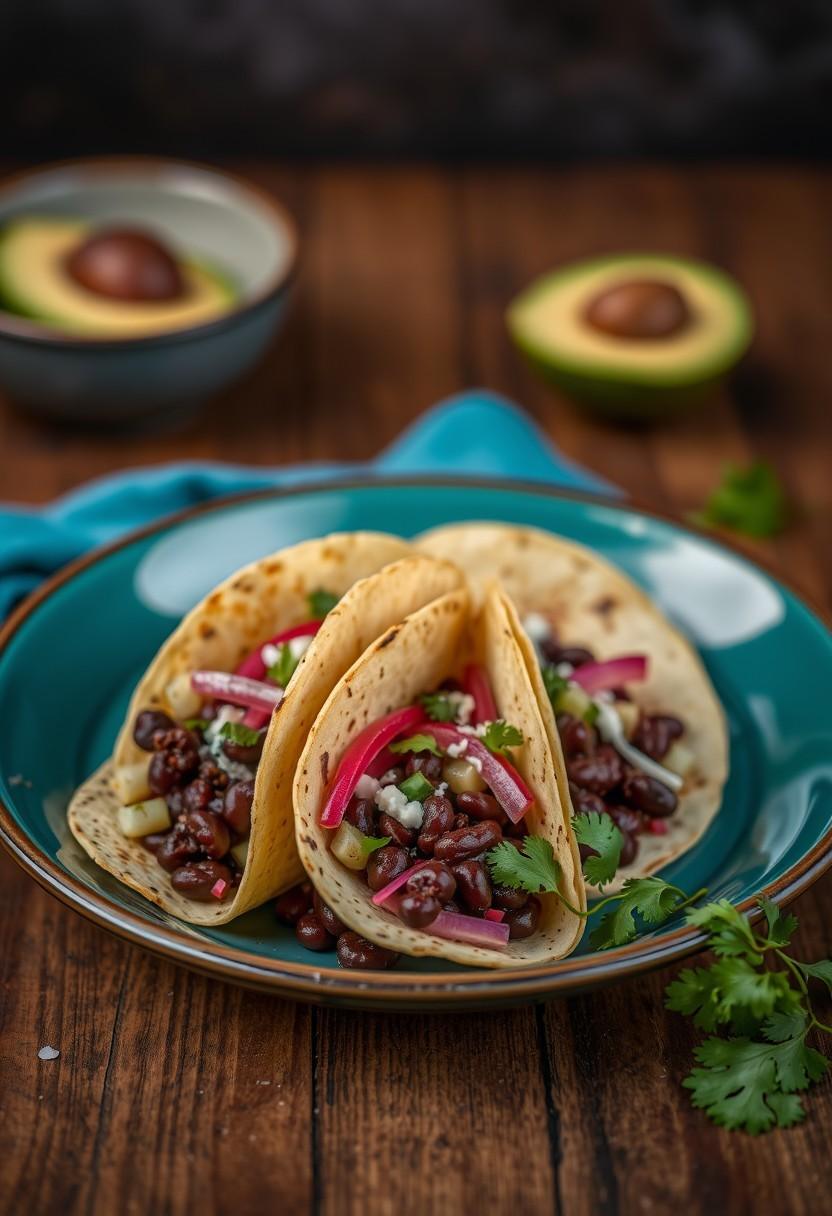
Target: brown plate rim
point(24, 330)
point(402, 989)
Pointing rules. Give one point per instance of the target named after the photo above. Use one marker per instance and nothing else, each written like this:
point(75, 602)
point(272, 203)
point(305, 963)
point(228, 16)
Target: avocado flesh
point(632, 376)
point(35, 284)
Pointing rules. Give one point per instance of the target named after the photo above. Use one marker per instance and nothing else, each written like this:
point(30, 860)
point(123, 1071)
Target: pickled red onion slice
point(254, 668)
point(507, 786)
point(360, 755)
point(611, 673)
point(476, 684)
point(239, 690)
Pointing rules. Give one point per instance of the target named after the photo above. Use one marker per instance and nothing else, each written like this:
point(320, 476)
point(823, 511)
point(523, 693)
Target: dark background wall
point(545, 78)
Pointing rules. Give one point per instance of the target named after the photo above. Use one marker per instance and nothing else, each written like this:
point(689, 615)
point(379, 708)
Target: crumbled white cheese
point(299, 646)
point(564, 669)
point(391, 777)
point(464, 706)
point(455, 750)
point(394, 803)
point(441, 789)
point(225, 713)
point(48, 1053)
point(213, 748)
point(367, 787)
point(269, 654)
point(475, 762)
point(476, 732)
point(537, 627)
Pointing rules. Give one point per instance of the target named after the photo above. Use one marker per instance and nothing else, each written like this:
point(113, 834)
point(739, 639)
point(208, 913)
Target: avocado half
point(34, 283)
point(625, 376)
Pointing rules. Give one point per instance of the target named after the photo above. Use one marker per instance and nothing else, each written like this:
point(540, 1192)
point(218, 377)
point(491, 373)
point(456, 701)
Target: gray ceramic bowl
point(199, 209)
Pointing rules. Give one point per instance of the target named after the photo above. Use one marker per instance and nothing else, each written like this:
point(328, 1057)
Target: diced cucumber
point(573, 700)
point(629, 713)
point(348, 846)
point(182, 701)
point(679, 759)
point(240, 853)
point(131, 783)
point(144, 818)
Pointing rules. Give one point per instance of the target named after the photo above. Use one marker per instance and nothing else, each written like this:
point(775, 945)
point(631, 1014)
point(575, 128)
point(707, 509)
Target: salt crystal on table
point(48, 1053)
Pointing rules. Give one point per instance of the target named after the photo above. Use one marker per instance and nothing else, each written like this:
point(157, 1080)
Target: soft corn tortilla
point(589, 602)
point(254, 604)
point(412, 658)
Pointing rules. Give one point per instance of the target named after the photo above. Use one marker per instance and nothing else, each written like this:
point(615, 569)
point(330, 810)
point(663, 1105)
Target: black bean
point(584, 801)
point(509, 898)
point(176, 848)
point(576, 736)
point(327, 917)
point(360, 814)
point(388, 826)
point(242, 753)
point(147, 723)
point(524, 921)
point(474, 885)
point(433, 878)
point(236, 806)
point(467, 842)
point(160, 776)
point(311, 933)
point(626, 818)
point(427, 763)
point(576, 655)
point(197, 878)
point(154, 841)
point(291, 905)
point(649, 795)
point(654, 734)
point(386, 864)
point(599, 772)
point(480, 806)
point(439, 818)
point(419, 911)
point(209, 832)
point(356, 951)
point(197, 795)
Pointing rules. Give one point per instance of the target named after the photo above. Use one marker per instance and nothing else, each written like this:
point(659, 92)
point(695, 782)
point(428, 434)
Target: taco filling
point(192, 800)
point(620, 760)
point(419, 800)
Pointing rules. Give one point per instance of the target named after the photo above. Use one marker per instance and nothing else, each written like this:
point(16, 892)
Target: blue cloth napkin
point(474, 434)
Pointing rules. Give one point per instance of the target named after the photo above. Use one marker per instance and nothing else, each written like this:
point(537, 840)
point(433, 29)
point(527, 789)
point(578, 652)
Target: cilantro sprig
point(534, 868)
point(756, 1062)
point(749, 500)
point(499, 736)
point(237, 732)
point(284, 667)
point(321, 602)
point(416, 743)
point(439, 706)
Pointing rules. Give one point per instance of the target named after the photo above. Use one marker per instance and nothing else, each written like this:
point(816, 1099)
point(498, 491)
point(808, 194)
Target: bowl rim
point(26, 330)
point(305, 981)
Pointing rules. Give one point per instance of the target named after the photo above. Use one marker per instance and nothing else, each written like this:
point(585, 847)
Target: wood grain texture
point(176, 1095)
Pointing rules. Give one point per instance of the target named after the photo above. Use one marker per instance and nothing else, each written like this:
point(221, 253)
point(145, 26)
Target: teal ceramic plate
point(71, 655)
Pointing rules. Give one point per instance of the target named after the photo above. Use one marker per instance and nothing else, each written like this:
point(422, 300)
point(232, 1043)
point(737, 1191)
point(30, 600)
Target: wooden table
point(174, 1094)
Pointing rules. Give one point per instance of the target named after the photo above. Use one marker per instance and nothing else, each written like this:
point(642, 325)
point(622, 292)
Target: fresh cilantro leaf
point(499, 736)
point(439, 706)
point(416, 743)
point(554, 684)
point(785, 1024)
point(780, 927)
point(740, 986)
point(238, 733)
point(196, 723)
point(788, 1109)
point(695, 993)
point(598, 832)
point(369, 844)
point(818, 971)
point(650, 899)
point(737, 1080)
point(321, 602)
point(749, 500)
point(416, 788)
point(731, 936)
point(533, 868)
point(282, 671)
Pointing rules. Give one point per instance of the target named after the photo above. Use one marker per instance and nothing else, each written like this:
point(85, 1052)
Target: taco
point(428, 762)
point(621, 691)
point(195, 808)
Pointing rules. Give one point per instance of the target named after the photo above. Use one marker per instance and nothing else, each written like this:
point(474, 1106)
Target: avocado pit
point(126, 264)
point(639, 309)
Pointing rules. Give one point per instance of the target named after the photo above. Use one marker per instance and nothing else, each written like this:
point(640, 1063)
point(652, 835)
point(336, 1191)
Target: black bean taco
point(194, 809)
point(620, 690)
point(428, 761)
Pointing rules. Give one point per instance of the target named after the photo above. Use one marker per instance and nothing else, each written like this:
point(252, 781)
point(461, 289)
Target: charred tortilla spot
point(388, 637)
point(325, 767)
point(605, 605)
point(207, 631)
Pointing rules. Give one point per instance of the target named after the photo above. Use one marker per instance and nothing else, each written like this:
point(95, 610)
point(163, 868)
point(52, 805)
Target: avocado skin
point(626, 402)
point(639, 396)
